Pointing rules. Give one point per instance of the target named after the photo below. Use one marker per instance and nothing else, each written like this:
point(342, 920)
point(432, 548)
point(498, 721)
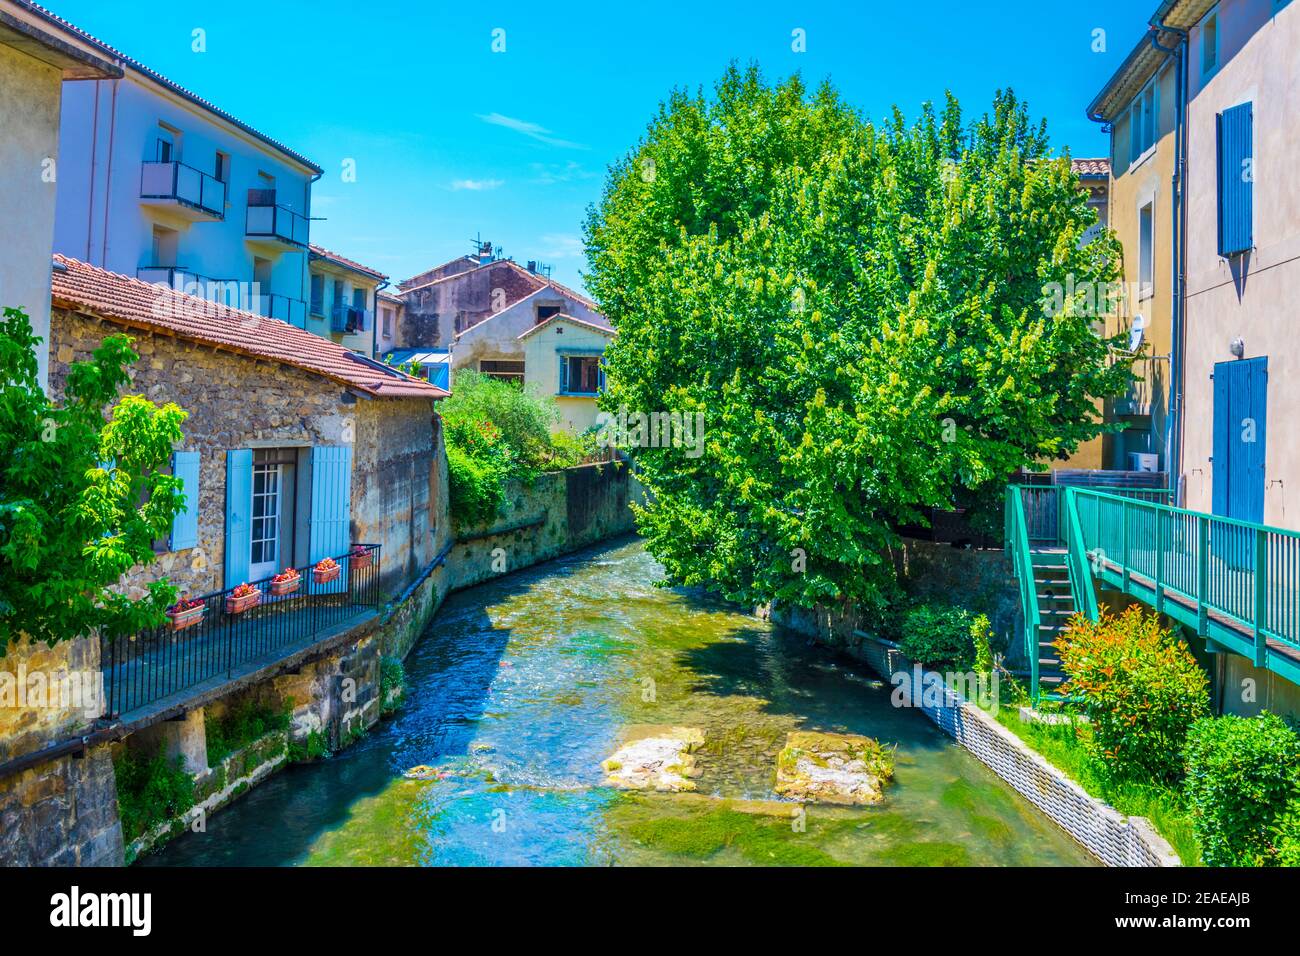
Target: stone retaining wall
point(1114, 839)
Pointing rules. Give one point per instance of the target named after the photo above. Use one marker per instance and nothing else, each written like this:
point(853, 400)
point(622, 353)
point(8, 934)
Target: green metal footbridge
point(1234, 583)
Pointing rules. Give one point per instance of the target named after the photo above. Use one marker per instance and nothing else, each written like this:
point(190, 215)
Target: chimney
point(484, 253)
point(532, 265)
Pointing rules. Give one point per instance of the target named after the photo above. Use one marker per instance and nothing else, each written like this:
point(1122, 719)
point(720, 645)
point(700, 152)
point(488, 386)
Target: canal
point(518, 692)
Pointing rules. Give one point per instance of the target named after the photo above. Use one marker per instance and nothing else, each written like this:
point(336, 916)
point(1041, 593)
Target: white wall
point(109, 128)
point(29, 142)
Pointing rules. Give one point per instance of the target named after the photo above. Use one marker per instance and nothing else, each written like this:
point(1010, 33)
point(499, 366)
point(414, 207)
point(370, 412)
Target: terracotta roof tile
point(1090, 167)
point(130, 302)
point(320, 252)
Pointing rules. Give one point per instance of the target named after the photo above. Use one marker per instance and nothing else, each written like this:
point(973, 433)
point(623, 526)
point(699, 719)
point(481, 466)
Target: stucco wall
point(1255, 297)
point(29, 146)
point(542, 369)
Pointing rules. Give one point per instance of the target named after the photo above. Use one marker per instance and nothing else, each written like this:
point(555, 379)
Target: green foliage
point(1070, 748)
point(240, 726)
point(392, 685)
point(476, 485)
point(935, 634)
point(313, 748)
point(1243, 773)
point(1142, 688)
point(81, 496)
point(1286, 837)
point(981, 633)
point(857, 309)
point(151, 790)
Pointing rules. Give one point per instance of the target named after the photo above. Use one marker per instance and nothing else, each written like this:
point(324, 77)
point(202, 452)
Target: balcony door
point(1240, 423)
point(271, 538)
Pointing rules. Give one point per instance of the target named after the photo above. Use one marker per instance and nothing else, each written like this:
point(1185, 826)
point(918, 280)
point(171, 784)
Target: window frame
point(1147, 257)
point(1212, 17)
point(568, 355)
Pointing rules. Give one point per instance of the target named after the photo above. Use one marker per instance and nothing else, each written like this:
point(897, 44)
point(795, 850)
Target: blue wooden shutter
point(564, 374)
point(185, 526)
point(331, 507)
point(1236, 188)
point(239, 509)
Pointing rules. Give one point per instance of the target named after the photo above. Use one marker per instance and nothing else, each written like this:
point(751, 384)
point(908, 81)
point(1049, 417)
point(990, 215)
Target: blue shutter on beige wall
point(1236, 175)
point(239, 508)
point(185, 526)
point(331, 507)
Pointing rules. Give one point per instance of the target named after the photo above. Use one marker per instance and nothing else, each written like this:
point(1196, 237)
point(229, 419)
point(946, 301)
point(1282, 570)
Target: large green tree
point(82, 493)
point(859, 312)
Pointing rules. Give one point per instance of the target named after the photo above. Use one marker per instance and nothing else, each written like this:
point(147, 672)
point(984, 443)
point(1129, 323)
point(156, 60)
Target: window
point(1146, 251)
point(1210, 43)
point(580, 374)
point(163, 247)
point(167, 148)
point(1142, 122)
point(222, 167)
point(358, 298)
point(317, 294)
point(506, 371)
point(1236, 172)
point(388, 322)
point(545, 312)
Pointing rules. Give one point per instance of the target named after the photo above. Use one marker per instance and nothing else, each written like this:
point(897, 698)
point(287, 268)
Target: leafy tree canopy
point(857, 309)
point(81, 496)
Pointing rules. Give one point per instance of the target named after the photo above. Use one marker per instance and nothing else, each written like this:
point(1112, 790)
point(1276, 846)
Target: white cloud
point(477, 184)
point(548, 174)
point(558, 245)
point(531, 130)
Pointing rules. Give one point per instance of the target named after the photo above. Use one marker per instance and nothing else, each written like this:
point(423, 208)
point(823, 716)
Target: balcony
point(220, 641)
point(270, 222)
point(348, 319)
point(225, 291)
point(184, 190)
point(282, 307)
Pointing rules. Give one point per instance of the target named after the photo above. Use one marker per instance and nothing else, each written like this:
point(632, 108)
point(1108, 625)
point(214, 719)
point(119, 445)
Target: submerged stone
point(654, 757)
point(833, 768)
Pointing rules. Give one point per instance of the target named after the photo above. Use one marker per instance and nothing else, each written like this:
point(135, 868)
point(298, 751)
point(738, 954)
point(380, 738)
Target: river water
point(518, 691)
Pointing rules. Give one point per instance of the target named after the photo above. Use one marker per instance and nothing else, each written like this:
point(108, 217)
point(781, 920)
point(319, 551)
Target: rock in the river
point(833, 768)
point(654, 757)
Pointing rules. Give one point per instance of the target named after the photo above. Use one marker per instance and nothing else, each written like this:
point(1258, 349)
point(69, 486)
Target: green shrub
point(1286, 837)
point(934, 634)
point(476, 487)
point(522, 419)
point(1242, 775)
point(1141, 687)
point(392, 685)
point(239, 727)
point(151, 790)
point(981, 633)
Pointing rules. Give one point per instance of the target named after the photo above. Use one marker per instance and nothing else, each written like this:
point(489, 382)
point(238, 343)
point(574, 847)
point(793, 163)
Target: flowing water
point(518, 691)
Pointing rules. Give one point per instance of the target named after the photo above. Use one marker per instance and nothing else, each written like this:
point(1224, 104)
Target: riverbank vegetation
point(87, 469)
point(496, 432)
point(857, 308)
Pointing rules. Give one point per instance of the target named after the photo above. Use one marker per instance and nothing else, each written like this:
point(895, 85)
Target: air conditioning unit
point(1143, 461)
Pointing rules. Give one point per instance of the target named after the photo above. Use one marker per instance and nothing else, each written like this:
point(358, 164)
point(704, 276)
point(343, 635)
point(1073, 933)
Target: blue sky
point(451, 139)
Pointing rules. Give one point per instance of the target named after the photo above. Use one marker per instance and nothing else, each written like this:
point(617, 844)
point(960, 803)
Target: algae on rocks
point(833, 768)
point(654, 757)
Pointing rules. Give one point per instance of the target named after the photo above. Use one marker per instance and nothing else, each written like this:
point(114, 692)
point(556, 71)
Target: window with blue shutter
point(239, 509)
point(185, 526)
point(1236, 180)
point(331, 509)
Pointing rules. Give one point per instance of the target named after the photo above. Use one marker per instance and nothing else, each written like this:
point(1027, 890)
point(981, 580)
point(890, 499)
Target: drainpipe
point(374, 321)
point(303, 281)
point(1173, 425)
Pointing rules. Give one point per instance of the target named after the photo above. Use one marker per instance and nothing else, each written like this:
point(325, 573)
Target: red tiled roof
point(320, 252)
point(1090, 167)
point(159, 78)
point(598, 326)
point(126, 301)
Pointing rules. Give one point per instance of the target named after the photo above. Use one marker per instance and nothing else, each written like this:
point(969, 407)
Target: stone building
point(295, 447)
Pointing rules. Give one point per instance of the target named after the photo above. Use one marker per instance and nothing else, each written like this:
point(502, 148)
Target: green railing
point(1017, 547)
point(1235, 582)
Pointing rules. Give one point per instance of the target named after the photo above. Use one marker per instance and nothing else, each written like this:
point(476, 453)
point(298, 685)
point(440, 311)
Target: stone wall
point(63, 811)
point(235, 401)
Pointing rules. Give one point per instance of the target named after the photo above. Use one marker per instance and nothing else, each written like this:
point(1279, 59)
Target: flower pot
point(281, 588)
point(180, 620)
point(238, 605)
point(325, 576)
point(358, 561)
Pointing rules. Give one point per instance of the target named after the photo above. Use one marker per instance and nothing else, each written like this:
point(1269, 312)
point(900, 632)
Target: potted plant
point(242, 598)
point(185, 613)
point(286, 582)
point(360, 557)
point(326, 570)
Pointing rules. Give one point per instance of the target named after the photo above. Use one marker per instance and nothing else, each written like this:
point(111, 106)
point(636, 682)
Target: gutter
point(1178, 221)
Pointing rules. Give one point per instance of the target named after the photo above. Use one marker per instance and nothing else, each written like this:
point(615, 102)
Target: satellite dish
point(1135, 334)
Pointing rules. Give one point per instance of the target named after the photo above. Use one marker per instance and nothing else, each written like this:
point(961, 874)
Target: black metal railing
point(224, 636)
point(184, 184)
point(267, 219)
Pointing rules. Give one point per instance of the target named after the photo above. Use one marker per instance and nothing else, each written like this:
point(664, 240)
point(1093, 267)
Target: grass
point(1066, 747)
